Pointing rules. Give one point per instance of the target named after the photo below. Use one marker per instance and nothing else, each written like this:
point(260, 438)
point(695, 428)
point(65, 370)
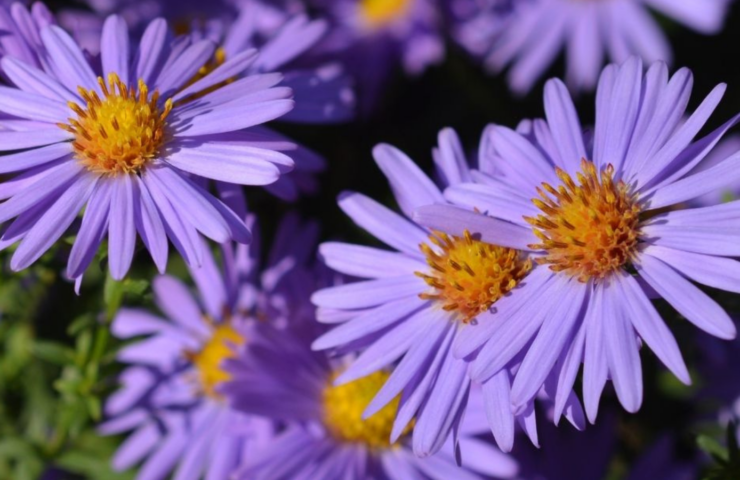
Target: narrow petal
point(369, 293)
point(690, 302)
point(411, 187)
point(455, 221)
point(122, 231)
point(497, 397)
point(368, 262)
point(92, 230)
point(53, 223)
point(651, 327)
point(114, 48)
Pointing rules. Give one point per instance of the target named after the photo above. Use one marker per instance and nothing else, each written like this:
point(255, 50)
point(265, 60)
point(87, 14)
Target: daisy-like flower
point(286, 39)
point(414, 302)
point(499, 31)
point(325, 434)
point(374, 37)
point(169, 397)
point(130, 146)
point(608, 231)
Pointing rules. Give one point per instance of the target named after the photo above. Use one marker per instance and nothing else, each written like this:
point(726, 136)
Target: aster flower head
point(499, 31)
point(132, 144)
point(415, 299)
point(325, 434)
point(169, 401)
point(605, 222)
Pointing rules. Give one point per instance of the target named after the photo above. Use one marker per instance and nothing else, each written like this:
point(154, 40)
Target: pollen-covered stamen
point(208, 362)
point(469, 275)
point(121, 132)
point(589, 229)
point(377, 13)
point(343, 408)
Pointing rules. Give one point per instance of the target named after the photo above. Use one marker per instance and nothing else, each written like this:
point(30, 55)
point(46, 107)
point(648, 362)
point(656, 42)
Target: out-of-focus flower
point(169, 397)
point(414, 301)
point(325, 434)
point(375, 37)
point(607, 229)
point(502, 33)
point(130, 144)
point(21, 29)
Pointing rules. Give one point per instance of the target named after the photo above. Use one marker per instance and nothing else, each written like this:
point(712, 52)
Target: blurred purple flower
point(414, 301)
point(594, 225)
point(501, 32)
point(169, 396)
point(325, 435)
point(21, 29)
point(134, 155)
point(374, 37)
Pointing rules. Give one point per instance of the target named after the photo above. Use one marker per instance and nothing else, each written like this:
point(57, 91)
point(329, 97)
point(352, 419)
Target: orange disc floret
point(121, 132)
point(469, 275)
point(590, 228)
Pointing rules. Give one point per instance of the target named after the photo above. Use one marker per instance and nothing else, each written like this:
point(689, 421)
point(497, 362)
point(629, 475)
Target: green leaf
point(52, 352)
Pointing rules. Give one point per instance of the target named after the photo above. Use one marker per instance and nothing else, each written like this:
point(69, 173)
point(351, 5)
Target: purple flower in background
point(374, 37)
point(132, 146)
point(502, 33)
point(415, 300)
point(607, 229)
point(169, 397)
point(21, 29)
point(325, 435)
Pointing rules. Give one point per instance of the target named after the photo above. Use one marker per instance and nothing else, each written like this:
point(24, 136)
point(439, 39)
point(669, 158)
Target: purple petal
point(368, 262)
point(177, 303)
point(369, 293)
point(114, 48)
point(122, 231)
point(455, 221)
point(92, 230)
point(690, 302)
point(411, 187)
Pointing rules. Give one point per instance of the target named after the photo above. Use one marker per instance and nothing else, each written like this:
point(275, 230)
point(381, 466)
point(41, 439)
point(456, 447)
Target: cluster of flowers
point(367, 362)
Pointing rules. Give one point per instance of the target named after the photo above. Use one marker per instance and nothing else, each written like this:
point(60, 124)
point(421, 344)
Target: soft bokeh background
point(56, 356)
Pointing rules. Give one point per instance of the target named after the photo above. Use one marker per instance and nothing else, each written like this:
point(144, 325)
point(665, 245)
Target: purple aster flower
point(131, 145)
point(416, 299)
point(325, 434)
point(607, 229)
point(374, 37)
point(169, 398)
point(286, 39)
point(500, 32)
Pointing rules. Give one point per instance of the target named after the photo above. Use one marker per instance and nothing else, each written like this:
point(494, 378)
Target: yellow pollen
point(219, 58)
point(378, 13)
point(121, 132)
point(208, 361)
point(469, 275)
point(343, 408)
point(589, 229)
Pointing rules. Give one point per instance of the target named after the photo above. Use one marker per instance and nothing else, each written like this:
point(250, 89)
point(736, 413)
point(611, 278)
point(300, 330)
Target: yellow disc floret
point(121, 132)
point(343, 408)
point(377, 13)
point(209, 360)
point(469, 275)
point(589, 229)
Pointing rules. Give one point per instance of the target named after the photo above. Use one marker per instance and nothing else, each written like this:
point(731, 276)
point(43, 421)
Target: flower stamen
point(590, 228)
point(121, 132)
point(468, 275)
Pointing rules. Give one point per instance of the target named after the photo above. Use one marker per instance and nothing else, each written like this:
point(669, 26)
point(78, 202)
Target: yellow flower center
point(378, 13)
point(589, 229)
point(209, 360)
point(121, 132)
point(343, 408)
point(469, 275)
